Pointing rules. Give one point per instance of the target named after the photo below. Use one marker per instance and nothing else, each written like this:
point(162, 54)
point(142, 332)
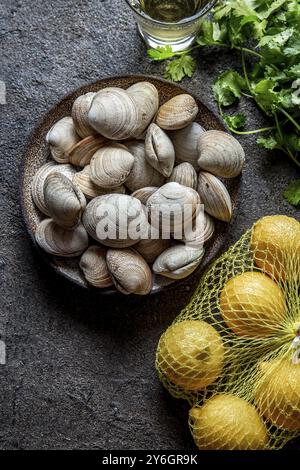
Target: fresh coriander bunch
point(267, 34)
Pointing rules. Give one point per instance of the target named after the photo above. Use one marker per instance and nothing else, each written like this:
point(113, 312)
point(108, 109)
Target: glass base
point(177, 46)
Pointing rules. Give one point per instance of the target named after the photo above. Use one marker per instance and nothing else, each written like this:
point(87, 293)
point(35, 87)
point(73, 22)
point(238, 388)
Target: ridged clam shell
point(202, 230)
point(146, 97)
point(80, 111)
point(130, 272)
point(37, 187)
point(61, 138)
point(81, 153)
point(143, 194)
point(172, 208)
point(82, 179)
point(178, 262)
point(220, 154)
point(214, 196)
point(184, 174)
point(64, 201)
point(60, 242)
point(111, 166)
point(152, 246)
point(121, 214)
point(185, 143)
point(114, 114)
point(142, 174)
point(177, 113)
point(94, 267)
point(160, 152)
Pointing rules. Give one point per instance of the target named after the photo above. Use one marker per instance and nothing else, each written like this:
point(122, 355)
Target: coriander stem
point(289, 117)
point(255, 131)
point(245, 71)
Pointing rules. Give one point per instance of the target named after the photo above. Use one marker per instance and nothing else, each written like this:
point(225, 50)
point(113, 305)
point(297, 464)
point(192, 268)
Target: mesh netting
point(234, 351)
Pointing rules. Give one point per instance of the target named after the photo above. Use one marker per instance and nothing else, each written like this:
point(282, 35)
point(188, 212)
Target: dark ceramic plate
point(37, 154)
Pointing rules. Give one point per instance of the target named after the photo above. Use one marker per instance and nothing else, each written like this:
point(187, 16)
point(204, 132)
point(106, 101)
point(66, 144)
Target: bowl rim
point(48, 259)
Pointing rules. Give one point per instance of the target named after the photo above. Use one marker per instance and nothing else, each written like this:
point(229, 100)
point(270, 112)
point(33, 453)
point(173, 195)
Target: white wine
point(171, 10)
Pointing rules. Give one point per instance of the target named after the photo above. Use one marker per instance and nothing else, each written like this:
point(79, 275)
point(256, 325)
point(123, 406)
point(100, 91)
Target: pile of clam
point(120, 147)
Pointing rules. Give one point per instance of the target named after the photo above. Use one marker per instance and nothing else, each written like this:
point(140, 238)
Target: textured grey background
point(79, 371)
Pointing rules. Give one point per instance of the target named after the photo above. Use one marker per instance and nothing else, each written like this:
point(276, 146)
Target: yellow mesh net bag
point(234, 351)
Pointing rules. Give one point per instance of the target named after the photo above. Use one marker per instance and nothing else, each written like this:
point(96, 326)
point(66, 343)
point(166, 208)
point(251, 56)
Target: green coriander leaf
point(265, 95)
point(292, 141)
point(292, 193)
point(235, 122)
point(269, 142)
point(227, 88)
point(184, 66)
point(211, 34)
point(161, 53)
point(276, 40)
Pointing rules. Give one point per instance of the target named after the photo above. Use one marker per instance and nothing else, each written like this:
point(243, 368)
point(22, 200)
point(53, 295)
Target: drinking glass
point(174, 23)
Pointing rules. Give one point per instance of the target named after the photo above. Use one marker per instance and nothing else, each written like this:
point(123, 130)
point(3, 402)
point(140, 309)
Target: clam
point(220, 154)
point(111, 166)
point(202, 230)
point(80, 111)
point(214, 196)
point(177, 113)
point(184, 174)
point(64, 201)
point(143, 194)
point(37, 188)
point(130, 272)
point(114, 114)
point(185, 143)
point(172, 208)
point(142, 174)
point(61, 138)
point(115, 220)
point(178, 261)
point(145, 95)
point(60, 242)
point(82, 179)
point(94, 267)
point(82, 152)
point(152, 246)
point(160, 152)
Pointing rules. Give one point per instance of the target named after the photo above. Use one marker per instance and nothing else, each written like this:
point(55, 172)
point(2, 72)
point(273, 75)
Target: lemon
point(252, 305)
point(191, 354)
point(278, 393)
point(275, 242)
point(227, 422)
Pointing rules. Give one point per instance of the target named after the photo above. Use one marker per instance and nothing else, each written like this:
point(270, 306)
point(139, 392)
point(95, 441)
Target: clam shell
point(80, 111)
point(184, 174)
point(64, 201)
point(178, 262)
point(143, 194)
point(202, 230)
point(130, 272)
point(160, 152)
point(177, 113)
point(152, 246)
point(94, 267)
point(172, 208)
point(82, 179)
point(114, 114)
point(185, 143)
point(123, 217)
point(37, 187)
point(111, 166)
point(61, 138)
point(60, 242)
point(146, 97)
point(142, 174)
point(214, 196)
point(220, 154)
point(81, 153)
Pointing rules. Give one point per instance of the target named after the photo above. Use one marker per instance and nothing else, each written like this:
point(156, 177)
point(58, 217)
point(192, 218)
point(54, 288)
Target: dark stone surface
point(79, 371)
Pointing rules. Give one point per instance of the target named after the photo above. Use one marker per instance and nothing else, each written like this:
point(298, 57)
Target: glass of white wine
point(170, 22)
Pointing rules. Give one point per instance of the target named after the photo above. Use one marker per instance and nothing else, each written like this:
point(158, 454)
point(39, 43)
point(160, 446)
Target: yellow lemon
point(252, 305)
point(191, 354)
point(227, 422)
point(275, 243)
point(278, 393)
